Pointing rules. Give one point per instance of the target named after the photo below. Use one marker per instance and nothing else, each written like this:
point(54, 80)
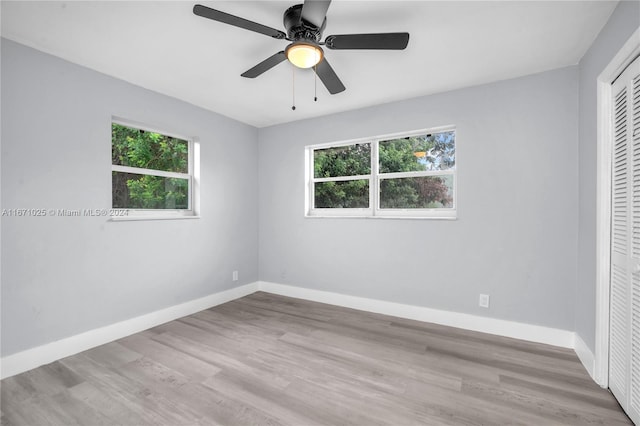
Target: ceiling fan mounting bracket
point(298, 29)
point(329, 41)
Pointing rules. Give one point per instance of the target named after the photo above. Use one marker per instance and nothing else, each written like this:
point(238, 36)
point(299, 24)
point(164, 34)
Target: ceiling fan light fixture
point(304, 54)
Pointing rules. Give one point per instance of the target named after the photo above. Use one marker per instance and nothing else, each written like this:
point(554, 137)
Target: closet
point(624, 333)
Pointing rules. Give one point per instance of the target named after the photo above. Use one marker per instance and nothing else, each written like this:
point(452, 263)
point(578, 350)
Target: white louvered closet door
point(624, 337)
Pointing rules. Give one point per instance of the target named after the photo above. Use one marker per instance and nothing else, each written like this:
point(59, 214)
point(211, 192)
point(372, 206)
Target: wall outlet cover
point(484, 301)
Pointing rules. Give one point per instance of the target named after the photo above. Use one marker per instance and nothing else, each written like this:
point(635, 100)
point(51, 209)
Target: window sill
point(149, 217)
point(383, 217)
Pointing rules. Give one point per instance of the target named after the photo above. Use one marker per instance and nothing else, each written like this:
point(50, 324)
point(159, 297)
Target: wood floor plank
point(129, 394)
point(265, 359)
point(112, 354)
point(600, 402)
point(100, 401)
point(192, 367)
point(290, 411)
point(549, 411)
point(172, 412)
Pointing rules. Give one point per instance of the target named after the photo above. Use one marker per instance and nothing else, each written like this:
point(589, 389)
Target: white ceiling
point(163, 46)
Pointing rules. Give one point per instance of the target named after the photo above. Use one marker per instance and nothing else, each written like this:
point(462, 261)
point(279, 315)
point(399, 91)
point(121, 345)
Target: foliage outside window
point(407, 175)
point(151, 172)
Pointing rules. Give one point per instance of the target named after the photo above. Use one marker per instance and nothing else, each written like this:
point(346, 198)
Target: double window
point(407, 175)
point(152, 173)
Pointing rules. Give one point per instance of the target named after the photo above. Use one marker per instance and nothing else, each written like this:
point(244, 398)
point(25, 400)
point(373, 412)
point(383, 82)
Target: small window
point(342, 177)
point(152, 173)
point(401, 176)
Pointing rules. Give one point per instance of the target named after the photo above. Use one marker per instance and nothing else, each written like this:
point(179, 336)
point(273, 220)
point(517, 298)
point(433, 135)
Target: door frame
point(629, 51)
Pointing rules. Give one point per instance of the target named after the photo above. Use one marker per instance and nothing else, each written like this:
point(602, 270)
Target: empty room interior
point(320, 212)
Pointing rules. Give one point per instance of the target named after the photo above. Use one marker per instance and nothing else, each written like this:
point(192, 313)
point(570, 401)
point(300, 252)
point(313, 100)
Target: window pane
point(148, 150)
point(134, 191)
point(350, 160)
point(352, 194)
point(428, 192)
point(418, 153)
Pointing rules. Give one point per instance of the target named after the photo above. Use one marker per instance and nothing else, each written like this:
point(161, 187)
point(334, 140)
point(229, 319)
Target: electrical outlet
point(235, 275)
point(484, 301)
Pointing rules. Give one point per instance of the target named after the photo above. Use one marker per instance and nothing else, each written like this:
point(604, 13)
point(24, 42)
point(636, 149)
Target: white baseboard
point(585, 355)
point(529, 332)
point(41, 355)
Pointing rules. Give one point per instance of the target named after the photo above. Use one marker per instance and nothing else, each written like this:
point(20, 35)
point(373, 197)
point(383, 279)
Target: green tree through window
point(150, 170)
point(425, 153)
point(350, 160)
point(415, 172)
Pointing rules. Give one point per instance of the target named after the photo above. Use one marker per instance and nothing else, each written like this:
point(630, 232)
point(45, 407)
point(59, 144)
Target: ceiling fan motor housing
point(298, 29)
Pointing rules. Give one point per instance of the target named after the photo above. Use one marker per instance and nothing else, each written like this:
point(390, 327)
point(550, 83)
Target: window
point(152, 174)
point(407, 175)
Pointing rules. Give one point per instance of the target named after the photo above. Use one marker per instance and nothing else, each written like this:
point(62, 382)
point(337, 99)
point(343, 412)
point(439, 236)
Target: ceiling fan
point(304, 24)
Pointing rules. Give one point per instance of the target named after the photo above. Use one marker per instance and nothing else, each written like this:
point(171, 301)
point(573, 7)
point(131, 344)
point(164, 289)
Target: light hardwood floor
point(271, 360)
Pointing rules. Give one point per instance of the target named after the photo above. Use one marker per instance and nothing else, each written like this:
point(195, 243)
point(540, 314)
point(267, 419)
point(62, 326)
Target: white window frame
point(193, 178)
point(375, 177)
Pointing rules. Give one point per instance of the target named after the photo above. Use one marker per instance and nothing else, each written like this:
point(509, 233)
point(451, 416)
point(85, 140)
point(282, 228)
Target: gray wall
point(65, 275)
point(516, 233)
point(623, 22)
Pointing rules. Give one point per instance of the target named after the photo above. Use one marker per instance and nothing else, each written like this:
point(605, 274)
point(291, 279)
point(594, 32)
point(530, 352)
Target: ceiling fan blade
point(387, 41)
point(328, 77)
point(265, 65)
point(225, 18)
point(314, 11)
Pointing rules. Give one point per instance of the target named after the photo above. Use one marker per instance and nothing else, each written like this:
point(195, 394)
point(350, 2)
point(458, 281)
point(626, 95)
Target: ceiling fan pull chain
point(315, 83)
point(293, 87)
